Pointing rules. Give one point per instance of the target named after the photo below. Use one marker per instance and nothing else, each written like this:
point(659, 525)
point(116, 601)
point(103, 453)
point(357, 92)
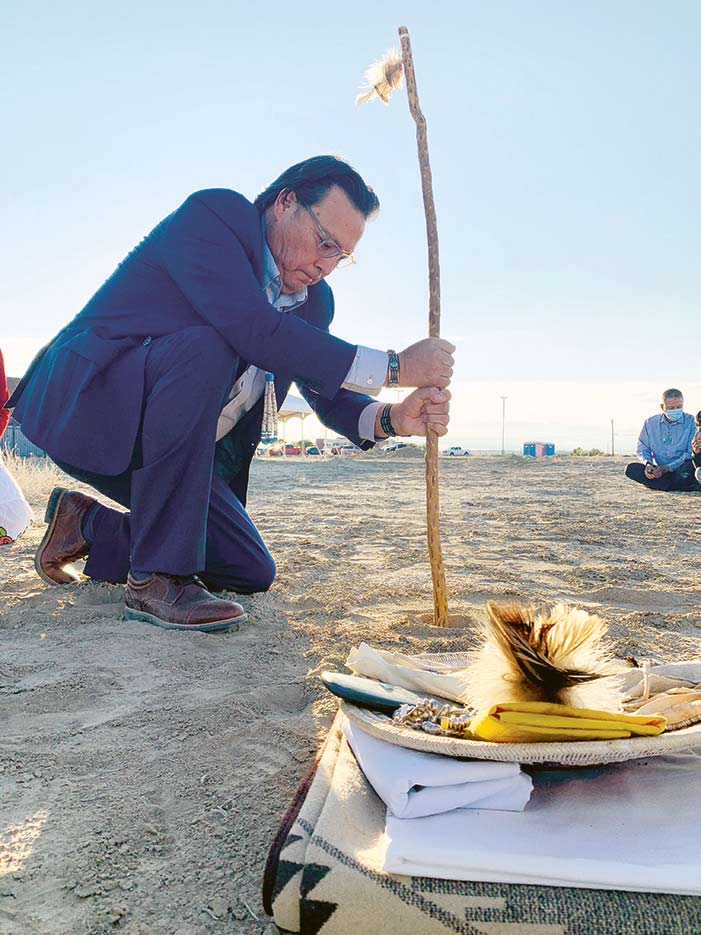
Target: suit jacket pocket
point(100, 351)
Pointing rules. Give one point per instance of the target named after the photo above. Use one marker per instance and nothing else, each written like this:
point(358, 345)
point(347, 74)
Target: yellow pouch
point(529, 721)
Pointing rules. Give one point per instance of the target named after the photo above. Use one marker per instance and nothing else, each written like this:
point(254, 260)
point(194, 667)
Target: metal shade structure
point(293, 407)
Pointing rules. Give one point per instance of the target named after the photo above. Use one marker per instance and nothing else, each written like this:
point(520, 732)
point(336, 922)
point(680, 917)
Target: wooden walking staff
point(382, 79)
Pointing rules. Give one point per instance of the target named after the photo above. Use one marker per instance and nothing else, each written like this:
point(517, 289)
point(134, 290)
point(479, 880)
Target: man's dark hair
point(310, 181)
point(671, 394)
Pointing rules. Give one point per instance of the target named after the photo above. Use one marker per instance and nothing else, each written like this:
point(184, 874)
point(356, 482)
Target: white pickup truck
point(456, 450)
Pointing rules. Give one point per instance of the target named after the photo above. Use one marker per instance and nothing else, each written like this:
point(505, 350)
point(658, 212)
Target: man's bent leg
point(106, 530)
point(167, 485)
point(237, 559)
point(187, 378)
point(636, 471)
point(684, 477)
point(188, 375)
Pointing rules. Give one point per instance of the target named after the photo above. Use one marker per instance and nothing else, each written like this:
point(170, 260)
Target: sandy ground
point(143, 772)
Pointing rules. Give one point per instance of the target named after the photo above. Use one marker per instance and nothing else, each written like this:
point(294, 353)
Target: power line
point(503, 420)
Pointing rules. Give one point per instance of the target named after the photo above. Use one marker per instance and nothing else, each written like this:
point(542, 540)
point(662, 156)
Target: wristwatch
point(392, 368)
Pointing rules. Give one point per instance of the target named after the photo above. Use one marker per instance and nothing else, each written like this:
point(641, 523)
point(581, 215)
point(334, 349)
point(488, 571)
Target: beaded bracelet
point(386, 421)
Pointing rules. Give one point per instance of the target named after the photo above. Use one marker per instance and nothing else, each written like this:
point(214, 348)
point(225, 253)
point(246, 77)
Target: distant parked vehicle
point(349, 450)
point(456, 451)
point(260, 451)
point(289, 450)
point(393, 446)
point(312, 450)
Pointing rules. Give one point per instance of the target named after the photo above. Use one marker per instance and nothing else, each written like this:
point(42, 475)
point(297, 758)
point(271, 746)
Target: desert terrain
point(143, 772)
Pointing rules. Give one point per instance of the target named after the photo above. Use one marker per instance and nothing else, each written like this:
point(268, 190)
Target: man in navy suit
point(153, 394)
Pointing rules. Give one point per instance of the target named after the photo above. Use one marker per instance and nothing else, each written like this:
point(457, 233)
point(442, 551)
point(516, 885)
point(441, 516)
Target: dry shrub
point(36, 476)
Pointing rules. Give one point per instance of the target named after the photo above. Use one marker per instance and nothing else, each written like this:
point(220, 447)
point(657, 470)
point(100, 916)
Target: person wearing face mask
point(665, 448)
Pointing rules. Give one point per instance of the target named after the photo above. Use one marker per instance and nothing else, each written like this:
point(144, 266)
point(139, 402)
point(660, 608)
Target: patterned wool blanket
point(324, 875)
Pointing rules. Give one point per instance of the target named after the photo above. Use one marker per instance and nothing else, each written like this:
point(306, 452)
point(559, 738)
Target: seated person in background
point(696, 448)
point(665, 446)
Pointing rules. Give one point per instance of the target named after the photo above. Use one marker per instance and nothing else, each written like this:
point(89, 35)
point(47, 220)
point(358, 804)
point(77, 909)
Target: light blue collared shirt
point(666, 443)
point(366, 375)
point(272, 283)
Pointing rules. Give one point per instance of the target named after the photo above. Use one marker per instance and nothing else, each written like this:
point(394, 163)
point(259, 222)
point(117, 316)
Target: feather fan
point(557, 656)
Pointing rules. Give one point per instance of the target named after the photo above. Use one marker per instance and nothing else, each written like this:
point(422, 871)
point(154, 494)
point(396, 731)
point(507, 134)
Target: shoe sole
point(50, 516)
point(221, 625)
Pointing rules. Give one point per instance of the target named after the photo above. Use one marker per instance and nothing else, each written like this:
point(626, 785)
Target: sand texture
point(143, 772)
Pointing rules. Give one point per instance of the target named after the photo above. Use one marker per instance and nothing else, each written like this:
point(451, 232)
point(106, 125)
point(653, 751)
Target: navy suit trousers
point(182, 519)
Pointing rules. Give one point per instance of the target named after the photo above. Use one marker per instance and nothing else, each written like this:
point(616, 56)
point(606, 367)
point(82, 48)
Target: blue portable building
point(539, 449)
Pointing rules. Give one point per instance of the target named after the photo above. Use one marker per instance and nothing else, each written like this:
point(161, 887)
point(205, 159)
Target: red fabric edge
point(4, 396)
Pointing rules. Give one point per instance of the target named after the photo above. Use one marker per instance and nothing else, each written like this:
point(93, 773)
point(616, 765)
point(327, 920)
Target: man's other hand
point(424, 409)
point(427, 363)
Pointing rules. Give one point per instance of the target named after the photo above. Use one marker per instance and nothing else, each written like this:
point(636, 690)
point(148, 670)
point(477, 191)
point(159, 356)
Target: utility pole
point(503, 420)
point(612, 445)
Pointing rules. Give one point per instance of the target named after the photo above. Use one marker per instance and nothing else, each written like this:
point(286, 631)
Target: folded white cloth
point(444, 677)
point(413, 784)
point(630, 826)
point(15, 513)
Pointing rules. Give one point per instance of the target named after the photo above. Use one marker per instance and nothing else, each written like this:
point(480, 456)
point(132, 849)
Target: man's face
point(671, 403)
point(294, 238)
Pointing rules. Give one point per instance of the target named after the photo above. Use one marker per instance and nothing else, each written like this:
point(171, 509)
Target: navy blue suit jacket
point(81, 398)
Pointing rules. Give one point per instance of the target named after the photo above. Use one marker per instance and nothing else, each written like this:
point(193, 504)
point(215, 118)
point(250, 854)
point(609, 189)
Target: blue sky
point(565, 145)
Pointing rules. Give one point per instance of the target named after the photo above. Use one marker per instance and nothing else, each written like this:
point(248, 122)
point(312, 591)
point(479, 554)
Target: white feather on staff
point(556, 656)
point(382, 78)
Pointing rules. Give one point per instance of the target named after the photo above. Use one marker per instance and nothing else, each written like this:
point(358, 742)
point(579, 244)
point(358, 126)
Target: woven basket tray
point(574, 753)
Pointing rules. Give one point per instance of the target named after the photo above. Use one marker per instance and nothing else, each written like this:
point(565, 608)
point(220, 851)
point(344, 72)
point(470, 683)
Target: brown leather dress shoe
point(179, 602)
point(63, 541)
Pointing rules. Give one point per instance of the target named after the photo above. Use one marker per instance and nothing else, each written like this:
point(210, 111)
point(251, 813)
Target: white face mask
point(674, 415)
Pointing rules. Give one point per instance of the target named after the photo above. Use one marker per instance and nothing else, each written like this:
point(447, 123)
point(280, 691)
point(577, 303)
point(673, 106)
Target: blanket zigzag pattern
point(314, 913)
point(411, 895)
point(320, 889)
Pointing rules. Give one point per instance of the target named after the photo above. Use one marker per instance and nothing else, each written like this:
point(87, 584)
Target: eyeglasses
point(328, 248)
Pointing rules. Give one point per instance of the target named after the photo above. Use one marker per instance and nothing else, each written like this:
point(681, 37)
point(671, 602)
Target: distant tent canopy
point(294, 407)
